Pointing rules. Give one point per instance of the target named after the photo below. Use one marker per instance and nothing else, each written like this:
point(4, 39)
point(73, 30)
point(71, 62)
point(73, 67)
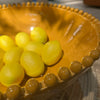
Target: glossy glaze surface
point(76, 32)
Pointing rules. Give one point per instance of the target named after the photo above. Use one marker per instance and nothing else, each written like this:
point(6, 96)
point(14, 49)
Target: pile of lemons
point(26, 54)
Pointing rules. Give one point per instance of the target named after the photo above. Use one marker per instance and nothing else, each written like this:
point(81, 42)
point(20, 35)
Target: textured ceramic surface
point(78, 32)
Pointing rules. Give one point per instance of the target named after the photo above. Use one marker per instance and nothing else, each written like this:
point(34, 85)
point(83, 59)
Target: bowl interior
point(76, 34)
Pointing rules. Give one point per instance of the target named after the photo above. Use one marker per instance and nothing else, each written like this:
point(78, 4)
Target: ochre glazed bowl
point(77, 31)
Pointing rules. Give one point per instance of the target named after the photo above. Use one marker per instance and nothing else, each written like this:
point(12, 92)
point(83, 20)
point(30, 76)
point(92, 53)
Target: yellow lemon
point(34, 46)
point(39, 35)
point(6, 43)
point(32, 63)
point(11, 74)
point(51, 52)
point(22, 39)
